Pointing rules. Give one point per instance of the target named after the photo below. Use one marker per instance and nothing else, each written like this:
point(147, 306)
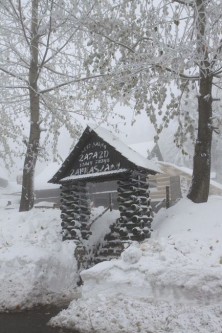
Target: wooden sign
point(97, 156)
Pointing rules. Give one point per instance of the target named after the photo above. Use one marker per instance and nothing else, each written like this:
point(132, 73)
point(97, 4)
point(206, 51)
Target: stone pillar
point(135, 219)
point(134, 205)
point(75, 211)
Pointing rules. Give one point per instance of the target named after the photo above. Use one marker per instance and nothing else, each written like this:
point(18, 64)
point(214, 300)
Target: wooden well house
point(100, 156)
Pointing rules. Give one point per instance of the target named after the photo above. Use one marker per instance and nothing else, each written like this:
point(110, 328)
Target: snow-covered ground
point(169, 283)
point(36, 267)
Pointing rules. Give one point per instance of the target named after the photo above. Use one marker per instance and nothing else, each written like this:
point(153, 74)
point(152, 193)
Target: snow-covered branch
point(13, 75)
point(87, 78)
point(184, 2)
point(21, 17)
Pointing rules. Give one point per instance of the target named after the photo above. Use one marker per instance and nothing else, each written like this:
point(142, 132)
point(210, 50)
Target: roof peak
point(117, 147)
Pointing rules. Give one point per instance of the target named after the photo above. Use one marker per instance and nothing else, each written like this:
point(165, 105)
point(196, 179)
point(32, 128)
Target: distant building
point(175, 179)
point(3, 177)
point(45, 191)
point(148, 149)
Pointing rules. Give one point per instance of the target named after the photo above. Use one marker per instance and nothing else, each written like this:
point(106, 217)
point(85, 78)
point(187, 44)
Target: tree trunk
point(199, 190)
point(27, 197)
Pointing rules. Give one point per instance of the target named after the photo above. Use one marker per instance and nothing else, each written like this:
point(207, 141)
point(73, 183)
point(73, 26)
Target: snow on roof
point(93, 175)
point(122, 148)
point(143, 147)
point(41, 180)
point(125, 150)
point(175, 170)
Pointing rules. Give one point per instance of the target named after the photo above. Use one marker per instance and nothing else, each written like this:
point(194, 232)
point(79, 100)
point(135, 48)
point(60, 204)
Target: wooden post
point(110, 202)
point(167, 196)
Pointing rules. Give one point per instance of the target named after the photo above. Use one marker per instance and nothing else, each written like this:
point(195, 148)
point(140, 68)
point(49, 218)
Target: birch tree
point(41, 76)
point(154, 54)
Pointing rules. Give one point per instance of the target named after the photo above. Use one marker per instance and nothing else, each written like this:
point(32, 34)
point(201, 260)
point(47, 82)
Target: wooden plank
point(156, 195)
point(162, 185)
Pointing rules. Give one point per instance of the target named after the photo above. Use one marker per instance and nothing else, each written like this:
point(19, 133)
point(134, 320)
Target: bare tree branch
point(14, 87)
point(181, 75)
point(216, 85)
point(61, 48)
point(14, 75)
point(115, 42)
point(48, 40)
point(189, 3)
point(19, 55)
point(59, 73)
point(216, 55)
point(22, 23)
point(72, 81)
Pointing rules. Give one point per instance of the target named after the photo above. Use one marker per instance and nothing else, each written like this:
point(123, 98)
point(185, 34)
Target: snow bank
point(170, 283)
point(36, 266)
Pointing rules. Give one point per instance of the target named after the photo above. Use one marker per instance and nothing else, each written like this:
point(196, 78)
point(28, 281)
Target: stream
point(31, 321)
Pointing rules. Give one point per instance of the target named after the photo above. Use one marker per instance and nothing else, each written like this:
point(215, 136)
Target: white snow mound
point(169, 283)
point(36, 266)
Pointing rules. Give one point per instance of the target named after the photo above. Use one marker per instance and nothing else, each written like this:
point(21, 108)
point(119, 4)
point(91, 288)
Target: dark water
point(32, 321)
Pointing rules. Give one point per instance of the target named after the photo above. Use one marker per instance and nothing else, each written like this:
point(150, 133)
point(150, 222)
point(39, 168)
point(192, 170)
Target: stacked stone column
point(135, 219)
point(75, 211)
point(134, 205)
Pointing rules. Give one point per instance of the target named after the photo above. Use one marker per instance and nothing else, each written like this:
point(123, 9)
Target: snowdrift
point(36, 267)
point(170, 283)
